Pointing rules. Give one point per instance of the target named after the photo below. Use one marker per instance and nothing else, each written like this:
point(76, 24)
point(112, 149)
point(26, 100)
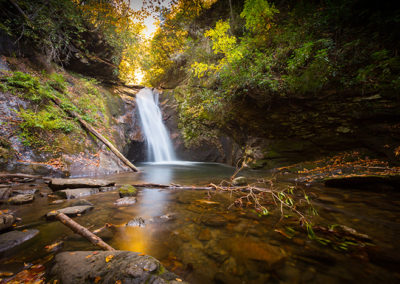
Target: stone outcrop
point(110, 267)
point(59, 183)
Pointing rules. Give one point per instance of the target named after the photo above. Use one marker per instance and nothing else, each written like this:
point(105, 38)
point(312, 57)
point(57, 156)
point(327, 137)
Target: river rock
point(13, 238)
point(122, 267)
point(24, 191)
point(239, 181)
point(21, 199)
point(214, 250)
point(127, 190)
point(215, 221)
point(125, 201)
point(6, 220)
point(247, 248)
point(5, 192)
point(70, 211)
point(81, 202)
point(77, 192)
point(136, 222)
point(62, 183)
point(204, 235)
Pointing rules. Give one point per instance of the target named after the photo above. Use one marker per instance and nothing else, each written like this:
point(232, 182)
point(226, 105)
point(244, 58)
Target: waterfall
point(156, 135)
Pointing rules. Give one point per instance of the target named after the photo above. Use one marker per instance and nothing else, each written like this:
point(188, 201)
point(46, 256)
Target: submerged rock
point(239, 181)
point(21, 199)
point(125, 201)
point(215, 221)
point(81, 202)
point(136, 222)
point(5, 192)
point(6, 220)
point(122, 266)
point(77, 192)
point(61, 183)
point(11, 239)
point(24, 191)
point(247, 248)
point(127, 190)
point(70, 211)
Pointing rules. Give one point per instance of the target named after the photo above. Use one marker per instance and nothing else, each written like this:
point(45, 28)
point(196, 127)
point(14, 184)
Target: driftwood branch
point(2, 176)
point(210, 187)
point(89, 128)
point(83, 232)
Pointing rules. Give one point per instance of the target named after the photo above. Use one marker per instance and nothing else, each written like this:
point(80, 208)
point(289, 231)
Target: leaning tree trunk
point(97, 241)
point(89, 128)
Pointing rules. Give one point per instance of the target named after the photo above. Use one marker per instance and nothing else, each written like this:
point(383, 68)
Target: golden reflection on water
point(134, 239)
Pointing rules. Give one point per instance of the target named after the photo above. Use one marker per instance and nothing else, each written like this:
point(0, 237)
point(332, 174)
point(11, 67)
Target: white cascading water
point(156, 135)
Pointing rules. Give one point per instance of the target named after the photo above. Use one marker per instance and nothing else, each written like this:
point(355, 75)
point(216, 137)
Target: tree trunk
point(83, 232)
point(89, 128)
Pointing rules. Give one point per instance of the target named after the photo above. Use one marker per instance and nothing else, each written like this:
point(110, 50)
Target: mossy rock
point(127, 190)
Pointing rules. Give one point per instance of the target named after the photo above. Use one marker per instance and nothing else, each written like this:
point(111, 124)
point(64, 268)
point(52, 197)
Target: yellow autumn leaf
point(97, 279)
point(118, 282)
point(108, 258)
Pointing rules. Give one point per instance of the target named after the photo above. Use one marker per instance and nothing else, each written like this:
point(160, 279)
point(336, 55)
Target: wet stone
point(61, 183)
point(125, 201)
point(215, 221)
point(136, 222)
point(81, 202)
point(130, 267)
point(24, 191)
point(127, 190)
point(5, 192)
point(239, 181)
point(77, 192)
point(6, 221)
point(21, 199)
point(69, 211)
point(205, 235)
point(14, 238)
point(213, 250)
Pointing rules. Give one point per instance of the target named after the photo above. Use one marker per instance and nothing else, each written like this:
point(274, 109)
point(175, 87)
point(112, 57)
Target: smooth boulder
point(14, 238)
point(65, 183)
point(6, 220)
point(125, 201)
point(70, 211)
point(127, 190)
point(21, 199)
point(110, 267)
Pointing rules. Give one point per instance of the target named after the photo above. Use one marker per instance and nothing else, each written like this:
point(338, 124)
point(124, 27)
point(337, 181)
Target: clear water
point(159, 144)
point(234, 252)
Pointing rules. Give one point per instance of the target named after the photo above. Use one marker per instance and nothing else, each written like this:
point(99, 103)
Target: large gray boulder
point(110, 267)
point(64, 183)
point(13, 238)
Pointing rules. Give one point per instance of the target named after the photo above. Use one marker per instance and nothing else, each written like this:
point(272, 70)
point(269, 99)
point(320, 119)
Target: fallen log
point(211, 187)
point(89, 128)
point(3, 176)
point(83, 232)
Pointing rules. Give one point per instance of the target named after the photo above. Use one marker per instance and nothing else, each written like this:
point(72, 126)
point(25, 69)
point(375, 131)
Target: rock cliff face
point(53, 152)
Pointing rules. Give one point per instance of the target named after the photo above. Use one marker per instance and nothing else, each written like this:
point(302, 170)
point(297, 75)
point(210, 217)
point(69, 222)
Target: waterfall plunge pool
point(194, 234)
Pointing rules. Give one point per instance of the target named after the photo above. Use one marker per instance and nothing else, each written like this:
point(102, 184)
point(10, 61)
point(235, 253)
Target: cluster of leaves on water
point(263, 50)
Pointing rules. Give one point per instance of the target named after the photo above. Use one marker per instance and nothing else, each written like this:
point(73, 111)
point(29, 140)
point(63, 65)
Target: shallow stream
point(200, 237)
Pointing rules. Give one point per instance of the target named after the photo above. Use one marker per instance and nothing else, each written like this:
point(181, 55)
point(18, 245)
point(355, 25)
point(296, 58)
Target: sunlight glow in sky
point(149, 22)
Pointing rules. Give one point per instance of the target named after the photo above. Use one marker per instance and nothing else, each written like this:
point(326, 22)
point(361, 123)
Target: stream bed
point(201, 237)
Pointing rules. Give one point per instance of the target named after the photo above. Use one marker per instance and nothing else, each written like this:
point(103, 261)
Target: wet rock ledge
point(110, 267)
